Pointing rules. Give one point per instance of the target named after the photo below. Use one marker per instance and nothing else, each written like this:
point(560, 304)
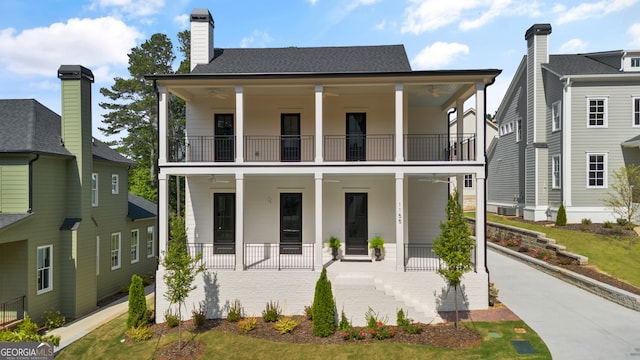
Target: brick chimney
point(201, 37)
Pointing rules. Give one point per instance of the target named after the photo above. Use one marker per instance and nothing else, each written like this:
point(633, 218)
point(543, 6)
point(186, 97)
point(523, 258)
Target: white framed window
point(555, 172)
point(635, 108)
point(635, 62)
point(556, 116)
point(115, 186)
point(94, 189)
point(506, 128)
point(150, 241)
point(97, 255)
point(135, 247)
point(518, 129)
point(115, 251)
point(596, 170)
point(45, 269)
point(597, 112)
point(468, 181)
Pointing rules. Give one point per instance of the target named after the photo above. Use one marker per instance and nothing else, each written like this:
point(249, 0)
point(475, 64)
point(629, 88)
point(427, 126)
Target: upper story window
point(94, 189)
point(150, 241)
point(506, 128)
point(636, 111)
point(134, 245)
point(468, 181)
point(518, 129)
point(556, 116)
point(555, 172)
point(635, 62)
point(115, 251)
point(596, 170)
point(597, 112)
point(115, 186)
point(44, 268)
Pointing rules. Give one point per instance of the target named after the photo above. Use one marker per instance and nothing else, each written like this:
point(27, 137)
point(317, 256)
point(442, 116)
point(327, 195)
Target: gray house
point(70, 233)
point(566, 124)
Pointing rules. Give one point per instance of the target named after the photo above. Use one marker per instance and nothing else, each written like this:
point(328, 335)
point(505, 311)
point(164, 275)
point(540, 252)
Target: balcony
point(257, 256)
point(11, 312)
point(336, 148)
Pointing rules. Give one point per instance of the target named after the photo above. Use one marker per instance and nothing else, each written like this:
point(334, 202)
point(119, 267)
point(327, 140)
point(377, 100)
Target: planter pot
point(334, 253)
point(378, 253)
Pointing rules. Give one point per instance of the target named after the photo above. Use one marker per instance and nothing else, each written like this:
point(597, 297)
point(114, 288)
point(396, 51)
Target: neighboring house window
point(556, 116)
point(134, 245)
point(597, 112)
point(468, 181)
point(94, 189)
point(597, 170)
point(635, 62)
point(150, 241)
point(115, 251)
point(636, 111)
point(97, 255)
point(555, 172)
point(115, 188)
point(45, 273)
point(506, 128)
point(518, 130)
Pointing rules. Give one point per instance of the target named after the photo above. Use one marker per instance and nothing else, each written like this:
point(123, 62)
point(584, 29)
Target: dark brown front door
point(224, 222)
point(356, 224)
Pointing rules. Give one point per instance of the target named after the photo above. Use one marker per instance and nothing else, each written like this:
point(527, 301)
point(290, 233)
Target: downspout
point(30, 210)
point(452, 111)
point(486, 177)
point(157, 231)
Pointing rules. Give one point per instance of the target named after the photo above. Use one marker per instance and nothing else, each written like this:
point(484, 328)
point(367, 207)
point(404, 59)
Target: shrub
point(324, 307)
point(27, 326)
point(53, 319)
point(621, 221)
point(308, 312)
point(407, 324)
point(586, 221)
point(248, 324)
point(171, 319)
point(272, 312)
point(235, 311)
point(381, 331)
point(344, 323)
point(27, 331)
point(137, 303)
point(541, 254)
point(401, 319)
point(493, 293)
point(354, 334)
point(140, 333)
point(372, 318)
point(199, 316)
point(561, 218)
point(286, 325)
point(607, 225)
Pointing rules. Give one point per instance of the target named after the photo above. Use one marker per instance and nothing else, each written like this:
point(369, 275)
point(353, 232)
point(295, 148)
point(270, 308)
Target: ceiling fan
point(437, 91)
point(434, 180)
point(216, 180)
point(217, 94)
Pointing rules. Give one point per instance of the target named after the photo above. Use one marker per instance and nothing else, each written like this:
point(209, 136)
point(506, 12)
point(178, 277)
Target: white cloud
point(496, 9)
point(256, 39)
point(96, 43)
point(573, 46)
point(438, 55)
point(132, 8)
point(634, 31)
point(381, 25)
point(183, 21)
point(586, 11)
point(312, 2)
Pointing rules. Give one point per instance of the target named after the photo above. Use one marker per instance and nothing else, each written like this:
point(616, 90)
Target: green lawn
point(618, 256)
point(104, 343)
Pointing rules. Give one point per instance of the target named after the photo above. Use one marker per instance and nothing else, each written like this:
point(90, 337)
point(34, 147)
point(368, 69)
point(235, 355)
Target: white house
point(286, 147)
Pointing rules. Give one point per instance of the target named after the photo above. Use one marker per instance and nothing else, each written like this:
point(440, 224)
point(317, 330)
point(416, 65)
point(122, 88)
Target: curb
point(611, 293)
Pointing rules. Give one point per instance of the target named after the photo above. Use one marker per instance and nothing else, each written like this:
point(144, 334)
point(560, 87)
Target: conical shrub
point(137, 303)
point(324, 307)
point(561, 218)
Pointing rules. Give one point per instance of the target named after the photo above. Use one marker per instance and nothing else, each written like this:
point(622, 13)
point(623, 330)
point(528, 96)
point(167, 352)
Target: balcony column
point(239, 222)
point(460, 130)
point(239, 125)
point(399, 105)
point(399, 221)
point(317, 261)
point(481, 208)
point(480, 121)
point(318, 137)
point(163, 214)
point(163, 110)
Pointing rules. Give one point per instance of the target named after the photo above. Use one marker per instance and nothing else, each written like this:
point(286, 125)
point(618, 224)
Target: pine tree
point(137, 303)
point(561, 218)
point(324, 307)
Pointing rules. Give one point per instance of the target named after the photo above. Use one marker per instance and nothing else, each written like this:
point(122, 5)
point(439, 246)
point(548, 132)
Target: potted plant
point(377, 244)
point(334, 244)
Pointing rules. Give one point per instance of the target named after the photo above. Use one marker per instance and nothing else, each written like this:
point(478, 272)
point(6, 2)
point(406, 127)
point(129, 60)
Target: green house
point(70, 233)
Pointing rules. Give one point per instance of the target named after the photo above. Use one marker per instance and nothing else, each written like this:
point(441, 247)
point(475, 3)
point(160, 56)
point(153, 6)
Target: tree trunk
point(179, 327)
point(455, 299)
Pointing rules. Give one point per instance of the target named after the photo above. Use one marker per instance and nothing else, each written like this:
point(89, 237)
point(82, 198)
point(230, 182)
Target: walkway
point(574, 323)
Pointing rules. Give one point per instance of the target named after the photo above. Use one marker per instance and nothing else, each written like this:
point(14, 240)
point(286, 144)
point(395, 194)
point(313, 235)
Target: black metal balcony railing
point(11, 311)
point(420, 257)
point(278, 256)
point(212, 259)
point(301, 148)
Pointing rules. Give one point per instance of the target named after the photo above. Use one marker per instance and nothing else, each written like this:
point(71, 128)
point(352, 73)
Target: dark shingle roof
point(10, 219)
point(579, 64)
point(348, 59)
point(140, 208)
point(70, 224)
point(103, 152)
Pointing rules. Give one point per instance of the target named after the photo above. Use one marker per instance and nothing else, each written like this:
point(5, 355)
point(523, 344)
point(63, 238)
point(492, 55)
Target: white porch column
point(239, 222)
point(480, 122)
point(318, 137)
point(317, 261)
point(481, 210)
point(399, 222)
point(399, 105)
point(163, 110)
point(460, 130)
point(239, 125)
point(163, 214)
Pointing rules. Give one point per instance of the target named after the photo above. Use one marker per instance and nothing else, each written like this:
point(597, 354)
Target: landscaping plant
point(623, 194)
point(53, 319)
point(247, 324)
point(272, 312)
point(137, 303)
point(561, 218)
point(235, 311)
point(286, 325)
point(324, 307)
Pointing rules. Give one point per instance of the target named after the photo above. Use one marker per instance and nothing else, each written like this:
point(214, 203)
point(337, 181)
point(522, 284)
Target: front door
point(356, 224)
point(290, 137)
point(224, 144)
point(224, 223)
point(291, 223)
point(356, 137)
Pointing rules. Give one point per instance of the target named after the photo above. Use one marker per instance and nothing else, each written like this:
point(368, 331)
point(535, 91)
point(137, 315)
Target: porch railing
point(358, 147)
point(439, 147)
point(11, 311)
point(420, 257)
point(278, 256)
point(284, 148)
point(210, 258)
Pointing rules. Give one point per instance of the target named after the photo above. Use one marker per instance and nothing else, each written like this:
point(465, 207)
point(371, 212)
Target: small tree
point(137, 303)
point(623, 192)
point(324, 307)
point(561, 217)
point(181, 268)
point(454, 247)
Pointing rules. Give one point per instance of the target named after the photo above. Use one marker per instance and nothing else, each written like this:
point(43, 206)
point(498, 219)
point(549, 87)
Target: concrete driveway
point(574, 323)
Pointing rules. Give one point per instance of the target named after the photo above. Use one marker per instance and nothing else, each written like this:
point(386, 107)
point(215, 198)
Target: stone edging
point(606, 291)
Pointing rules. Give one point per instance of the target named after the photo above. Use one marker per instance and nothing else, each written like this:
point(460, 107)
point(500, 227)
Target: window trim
point(556, 112)
point(605, 105)
point(604, 170)
point(118, 251)
point(556, 159)
point(151, 241)
point(50, 268)
point(115, 185)
point(635, 111)
point(137, 246)
point(94, 189)
point(634, 62)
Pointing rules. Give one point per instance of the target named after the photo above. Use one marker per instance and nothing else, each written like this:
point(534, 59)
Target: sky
point(37, 37)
